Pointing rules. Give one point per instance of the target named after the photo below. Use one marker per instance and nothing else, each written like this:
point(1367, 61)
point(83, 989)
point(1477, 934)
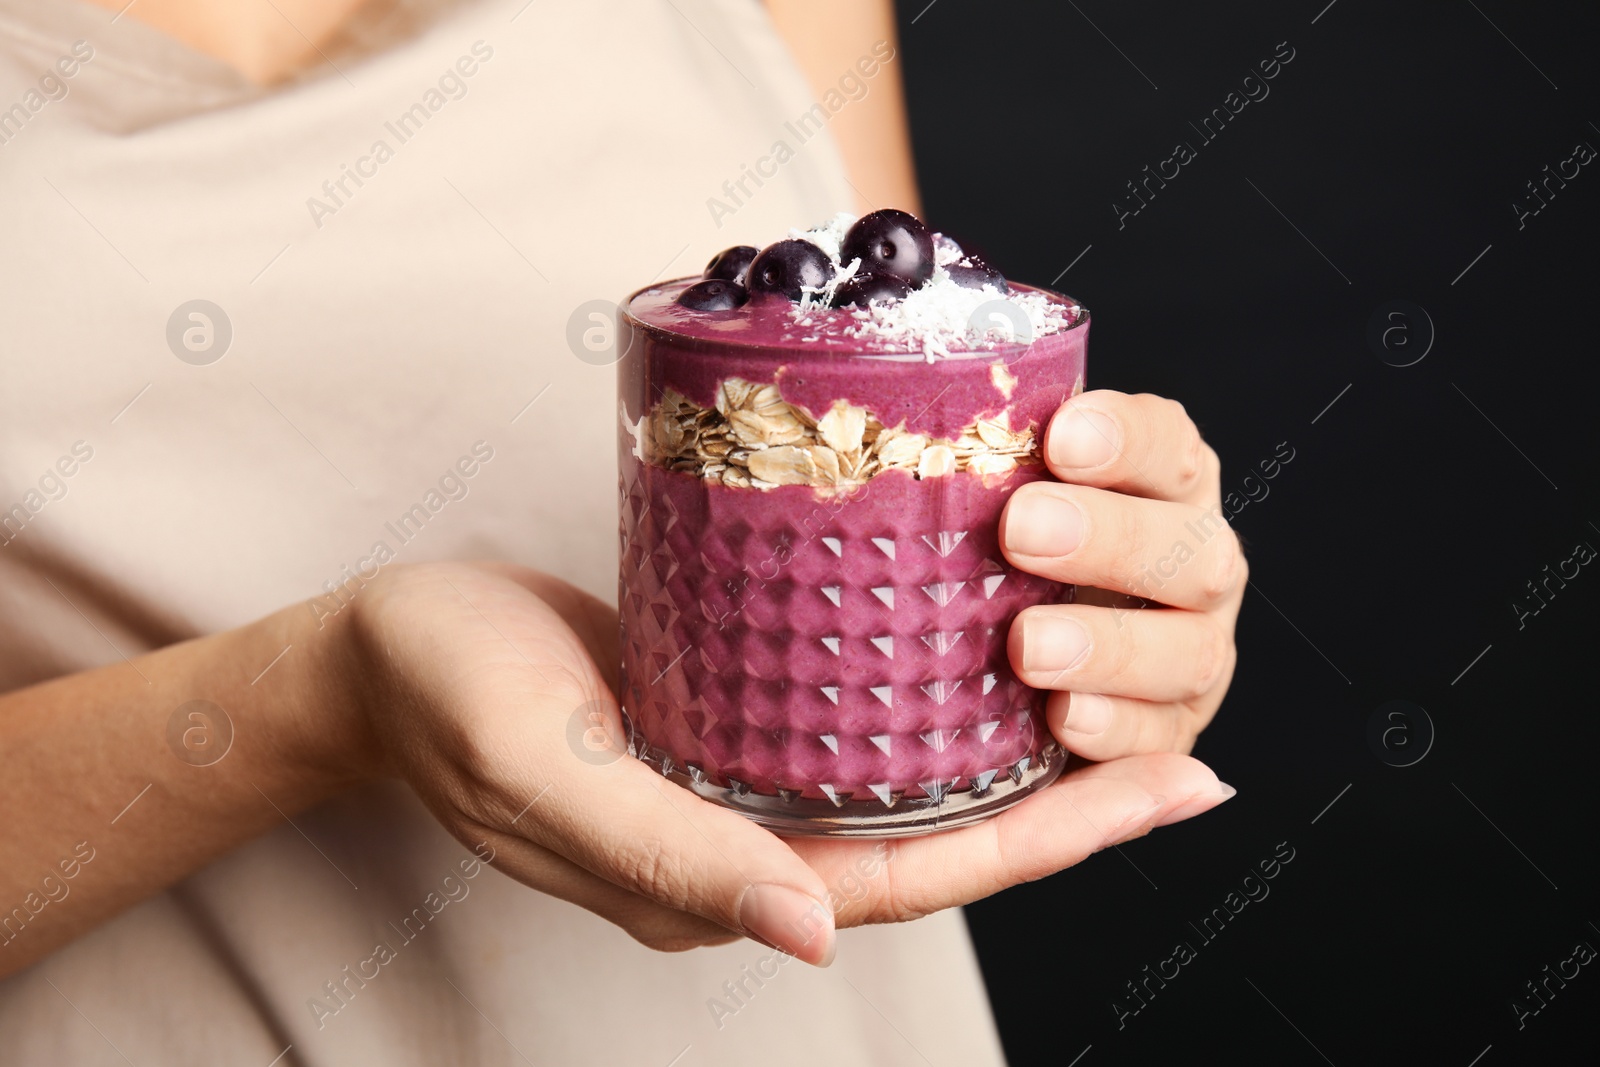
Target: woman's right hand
point(486, 687)
point(489, 688)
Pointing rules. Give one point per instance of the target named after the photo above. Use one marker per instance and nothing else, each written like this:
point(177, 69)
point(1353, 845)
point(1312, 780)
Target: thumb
point(662, 842)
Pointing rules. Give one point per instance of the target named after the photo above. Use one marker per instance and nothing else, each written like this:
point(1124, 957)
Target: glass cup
point(832, 659)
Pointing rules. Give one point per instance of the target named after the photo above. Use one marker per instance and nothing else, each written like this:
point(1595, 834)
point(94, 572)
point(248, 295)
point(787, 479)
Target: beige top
point(533, 157)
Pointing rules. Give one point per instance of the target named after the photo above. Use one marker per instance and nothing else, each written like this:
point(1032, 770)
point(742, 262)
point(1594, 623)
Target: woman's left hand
point(1135, 519)
point(1140, 662)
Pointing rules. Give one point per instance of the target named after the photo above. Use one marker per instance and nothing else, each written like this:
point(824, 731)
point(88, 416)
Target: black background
point(1385, 557)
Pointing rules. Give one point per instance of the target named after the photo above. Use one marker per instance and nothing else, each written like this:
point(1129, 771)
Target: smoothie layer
point(853, 645)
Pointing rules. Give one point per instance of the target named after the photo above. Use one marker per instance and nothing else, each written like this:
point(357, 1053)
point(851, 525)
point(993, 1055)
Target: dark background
point(1385, 557)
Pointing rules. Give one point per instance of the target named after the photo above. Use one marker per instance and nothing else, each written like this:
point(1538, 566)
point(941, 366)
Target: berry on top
point(866, 287)
point(975, 274)
point(714, 294)
point(890, 242)
point(731, 263)
point(789, 266)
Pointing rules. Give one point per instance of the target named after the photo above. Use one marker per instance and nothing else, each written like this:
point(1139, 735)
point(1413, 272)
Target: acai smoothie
point(816, 442)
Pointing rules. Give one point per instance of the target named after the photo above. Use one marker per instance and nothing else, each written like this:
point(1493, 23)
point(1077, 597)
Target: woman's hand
point(1141, 662)
point(488, 678)
point(481, 683)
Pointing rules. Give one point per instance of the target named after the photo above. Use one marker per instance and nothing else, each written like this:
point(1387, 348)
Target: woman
point(237, 830)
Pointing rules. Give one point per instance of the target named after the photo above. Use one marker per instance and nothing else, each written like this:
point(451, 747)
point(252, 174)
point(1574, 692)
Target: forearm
point(94, 765)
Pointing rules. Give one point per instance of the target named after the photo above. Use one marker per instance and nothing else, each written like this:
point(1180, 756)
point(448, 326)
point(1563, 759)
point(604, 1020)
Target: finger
point(1100, 727)
point(1142, 445)
point(648, 922)
point(1086, 810)
point(662, 842)
point(1173, 553)
point(1154, 654)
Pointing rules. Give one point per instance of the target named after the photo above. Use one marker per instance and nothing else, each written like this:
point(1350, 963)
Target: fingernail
point(1053, 644)
point(1040, 523)
point(1198, 805)
point(788, 920)
point(1088, 714)
point(1083, 439)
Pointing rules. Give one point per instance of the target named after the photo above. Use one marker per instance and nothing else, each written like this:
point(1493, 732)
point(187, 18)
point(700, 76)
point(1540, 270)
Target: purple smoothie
point(831, 659)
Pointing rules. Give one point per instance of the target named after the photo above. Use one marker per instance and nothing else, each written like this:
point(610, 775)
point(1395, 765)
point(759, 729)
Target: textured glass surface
point(830, 660)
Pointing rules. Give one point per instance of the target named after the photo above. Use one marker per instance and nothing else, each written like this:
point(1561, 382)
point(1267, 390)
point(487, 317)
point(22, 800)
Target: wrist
point(324, 732)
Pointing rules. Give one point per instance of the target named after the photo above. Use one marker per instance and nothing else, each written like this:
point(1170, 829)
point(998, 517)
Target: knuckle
point(649, 871)
point(1192, 465)
point(1211, 659)
point(1158, 407)
point(1230, 662)
point(1226, 570)
point(899, 903)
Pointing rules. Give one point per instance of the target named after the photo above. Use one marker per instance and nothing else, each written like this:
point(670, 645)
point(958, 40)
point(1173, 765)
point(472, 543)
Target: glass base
point(899, 817)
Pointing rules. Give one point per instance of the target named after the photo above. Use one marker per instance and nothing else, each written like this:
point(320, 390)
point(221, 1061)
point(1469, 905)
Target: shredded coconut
point(829, 235)
point(941, 317)
point(946, 252)
point(937, 318)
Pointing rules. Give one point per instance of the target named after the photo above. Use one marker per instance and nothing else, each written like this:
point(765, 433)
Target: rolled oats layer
point(753, 438)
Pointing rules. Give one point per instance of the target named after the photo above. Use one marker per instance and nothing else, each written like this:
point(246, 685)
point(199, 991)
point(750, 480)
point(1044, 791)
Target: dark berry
point(890, 242)
point(714, 294)
point(787, 266)
point(867, 287)
point(977, 275)
point(731, 263)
